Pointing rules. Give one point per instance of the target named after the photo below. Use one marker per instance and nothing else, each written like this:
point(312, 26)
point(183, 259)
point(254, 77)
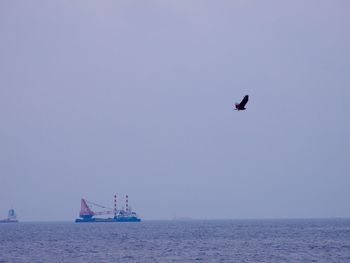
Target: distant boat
point(11, 218)
point(87, 215)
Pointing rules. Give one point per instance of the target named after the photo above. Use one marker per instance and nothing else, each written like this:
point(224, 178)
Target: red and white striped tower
point(127, 203)
point(115, 205)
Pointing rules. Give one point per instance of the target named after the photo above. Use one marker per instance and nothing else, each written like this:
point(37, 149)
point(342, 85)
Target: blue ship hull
point(107, 220)
point(8, 221)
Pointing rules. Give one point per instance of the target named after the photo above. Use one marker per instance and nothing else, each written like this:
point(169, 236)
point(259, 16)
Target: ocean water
point(178, 241)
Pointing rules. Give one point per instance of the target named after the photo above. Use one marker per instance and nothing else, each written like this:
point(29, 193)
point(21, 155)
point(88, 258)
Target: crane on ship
point(87, 213)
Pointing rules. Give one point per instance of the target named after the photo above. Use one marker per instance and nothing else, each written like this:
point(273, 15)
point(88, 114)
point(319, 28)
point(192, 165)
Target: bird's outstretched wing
point(244, 101)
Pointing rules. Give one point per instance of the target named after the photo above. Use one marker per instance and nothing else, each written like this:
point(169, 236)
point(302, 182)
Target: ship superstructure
point(119, 215)
point(11, 217)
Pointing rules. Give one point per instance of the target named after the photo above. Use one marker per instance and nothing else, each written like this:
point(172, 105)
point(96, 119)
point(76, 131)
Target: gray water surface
point(178, 241)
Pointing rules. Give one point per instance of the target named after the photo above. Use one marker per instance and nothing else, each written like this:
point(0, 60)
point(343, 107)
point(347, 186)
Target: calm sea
point(176, 241)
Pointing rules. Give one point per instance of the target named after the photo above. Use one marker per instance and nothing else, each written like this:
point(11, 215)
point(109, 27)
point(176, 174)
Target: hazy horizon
point(135, 97)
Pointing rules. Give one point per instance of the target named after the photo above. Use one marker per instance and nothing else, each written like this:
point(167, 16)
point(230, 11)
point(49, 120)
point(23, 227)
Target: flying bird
point(241, 105)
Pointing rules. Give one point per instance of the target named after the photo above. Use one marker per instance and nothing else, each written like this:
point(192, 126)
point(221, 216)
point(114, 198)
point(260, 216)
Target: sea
point(297, 240)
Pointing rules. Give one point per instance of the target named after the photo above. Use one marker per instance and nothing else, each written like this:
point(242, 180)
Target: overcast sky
point(135, 97)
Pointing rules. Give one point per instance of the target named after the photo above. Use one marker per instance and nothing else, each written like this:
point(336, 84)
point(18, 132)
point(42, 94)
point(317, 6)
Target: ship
point(11, 218)
point(87, 215)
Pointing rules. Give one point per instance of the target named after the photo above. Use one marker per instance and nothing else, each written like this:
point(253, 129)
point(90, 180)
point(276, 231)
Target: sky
point(135, 97)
